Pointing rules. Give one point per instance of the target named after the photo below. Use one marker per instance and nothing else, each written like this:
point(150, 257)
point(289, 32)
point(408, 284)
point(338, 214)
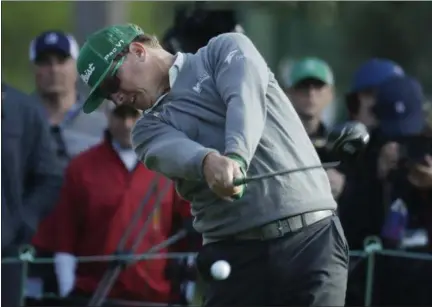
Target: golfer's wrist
point(205, 160)
point(239, 160)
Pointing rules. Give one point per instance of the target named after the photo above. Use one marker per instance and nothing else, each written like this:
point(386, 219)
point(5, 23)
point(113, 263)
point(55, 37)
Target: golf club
point(116, 268)
point(345, 141)
point(240, 181)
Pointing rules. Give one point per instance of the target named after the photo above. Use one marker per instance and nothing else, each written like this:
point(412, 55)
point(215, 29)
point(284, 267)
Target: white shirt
point(127, 155)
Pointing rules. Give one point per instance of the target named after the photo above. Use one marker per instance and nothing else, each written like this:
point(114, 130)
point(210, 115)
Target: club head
point(347, 141)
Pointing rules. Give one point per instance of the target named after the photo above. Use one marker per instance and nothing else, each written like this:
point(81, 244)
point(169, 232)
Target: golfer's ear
point(138, 49)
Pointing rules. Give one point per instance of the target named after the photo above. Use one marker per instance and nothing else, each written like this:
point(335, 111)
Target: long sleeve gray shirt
point(226, 99)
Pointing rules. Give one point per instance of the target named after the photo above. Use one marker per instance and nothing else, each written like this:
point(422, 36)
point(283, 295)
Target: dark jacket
point(31, 175)
point(361, 207)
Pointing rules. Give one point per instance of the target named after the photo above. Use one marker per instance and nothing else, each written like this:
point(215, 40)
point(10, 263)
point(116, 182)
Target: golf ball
point(220, 270)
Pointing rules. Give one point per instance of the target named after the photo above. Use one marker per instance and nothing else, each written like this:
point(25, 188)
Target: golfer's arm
point(168, 151)
point(242, 78)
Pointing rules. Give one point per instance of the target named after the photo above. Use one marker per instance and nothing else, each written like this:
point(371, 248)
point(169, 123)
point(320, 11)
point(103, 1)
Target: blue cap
point(399, 107)
point(374, 72)
point(55, 41)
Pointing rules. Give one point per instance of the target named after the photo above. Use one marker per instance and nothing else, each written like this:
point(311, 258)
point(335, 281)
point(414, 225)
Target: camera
point(413, 149)
point(193, 29)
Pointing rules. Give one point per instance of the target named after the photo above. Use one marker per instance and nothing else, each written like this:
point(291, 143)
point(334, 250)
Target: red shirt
point(98, 200)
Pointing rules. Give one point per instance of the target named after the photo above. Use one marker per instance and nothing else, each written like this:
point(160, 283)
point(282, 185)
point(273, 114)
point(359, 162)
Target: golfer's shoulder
point(147, 119)
point(147, 126)
point(227, 41)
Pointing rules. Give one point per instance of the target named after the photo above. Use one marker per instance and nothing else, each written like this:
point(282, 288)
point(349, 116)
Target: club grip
point(238, 181)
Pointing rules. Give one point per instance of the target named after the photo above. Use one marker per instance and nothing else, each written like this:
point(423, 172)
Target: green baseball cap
point(96, 57)
point(310, 68)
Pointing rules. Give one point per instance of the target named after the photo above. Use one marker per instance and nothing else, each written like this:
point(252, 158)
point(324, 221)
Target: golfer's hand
point(219, 172)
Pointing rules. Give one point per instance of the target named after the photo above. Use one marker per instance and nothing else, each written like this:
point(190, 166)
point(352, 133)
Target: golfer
point(213, 116)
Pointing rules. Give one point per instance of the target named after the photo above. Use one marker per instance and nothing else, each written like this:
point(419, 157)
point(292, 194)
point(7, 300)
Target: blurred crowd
point(72, 184)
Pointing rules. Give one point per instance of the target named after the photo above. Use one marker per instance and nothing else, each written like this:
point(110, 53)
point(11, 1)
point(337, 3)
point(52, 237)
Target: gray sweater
point(226, 99)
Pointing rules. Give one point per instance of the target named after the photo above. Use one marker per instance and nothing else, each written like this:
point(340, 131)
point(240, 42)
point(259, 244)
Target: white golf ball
point(220, 270)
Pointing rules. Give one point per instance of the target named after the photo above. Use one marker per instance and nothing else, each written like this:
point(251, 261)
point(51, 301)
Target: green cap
point(96, 57)
point(310, 68)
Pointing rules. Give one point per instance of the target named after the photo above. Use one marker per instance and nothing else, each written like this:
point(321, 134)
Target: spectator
point(405, 174)
point(361, 98)
point(360, 206)
point(53, 54)
point(102, 191)
point(310, 89)
point(428, 120)
point(420, 177)
point(420, 174)
point(404, 168)
point(399, 110)
point(31, 180)
point(362, 197)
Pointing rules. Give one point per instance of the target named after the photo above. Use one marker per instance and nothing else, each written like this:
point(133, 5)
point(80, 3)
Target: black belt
point(281, 227)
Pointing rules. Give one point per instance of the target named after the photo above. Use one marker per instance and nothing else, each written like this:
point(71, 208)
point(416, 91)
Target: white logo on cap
point(398, 70)
point(114, 50)
point(51, 39)
point(400, 107)
point(85, 76)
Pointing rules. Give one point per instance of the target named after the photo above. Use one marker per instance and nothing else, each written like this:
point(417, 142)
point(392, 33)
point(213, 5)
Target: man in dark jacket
point(310, 87)
point(361, 198)
point(31, 180)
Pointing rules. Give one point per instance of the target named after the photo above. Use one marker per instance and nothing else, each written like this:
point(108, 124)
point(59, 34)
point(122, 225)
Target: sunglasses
point(111, 84)
point(308, 84)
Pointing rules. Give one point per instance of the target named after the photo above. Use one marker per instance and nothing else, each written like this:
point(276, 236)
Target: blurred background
point(344, 34)
point(357, 51)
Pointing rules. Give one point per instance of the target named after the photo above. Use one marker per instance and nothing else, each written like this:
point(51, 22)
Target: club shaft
point(240, 181)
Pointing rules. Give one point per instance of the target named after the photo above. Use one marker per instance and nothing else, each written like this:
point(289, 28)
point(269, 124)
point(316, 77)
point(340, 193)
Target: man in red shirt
point(103, 190)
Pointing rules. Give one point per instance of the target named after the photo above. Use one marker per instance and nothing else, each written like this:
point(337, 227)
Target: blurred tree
point(342, 33)
point(395, 30)
point(154, 17)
